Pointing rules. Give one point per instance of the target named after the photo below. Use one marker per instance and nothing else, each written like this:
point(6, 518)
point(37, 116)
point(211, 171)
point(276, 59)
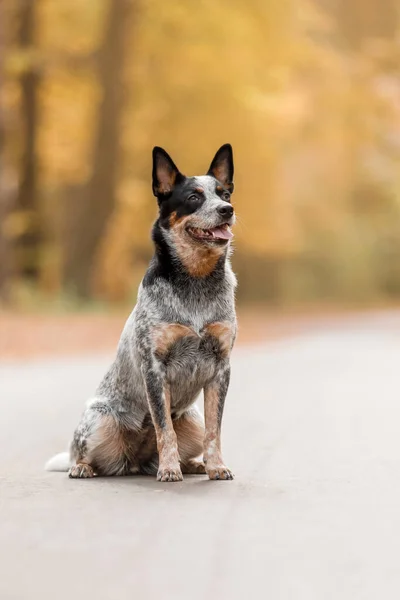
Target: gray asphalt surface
point(311, 431)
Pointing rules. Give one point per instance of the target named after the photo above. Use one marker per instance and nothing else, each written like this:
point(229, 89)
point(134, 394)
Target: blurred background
point(307, 92)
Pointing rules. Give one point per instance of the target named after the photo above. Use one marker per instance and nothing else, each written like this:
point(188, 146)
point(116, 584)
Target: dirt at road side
point(26, 336)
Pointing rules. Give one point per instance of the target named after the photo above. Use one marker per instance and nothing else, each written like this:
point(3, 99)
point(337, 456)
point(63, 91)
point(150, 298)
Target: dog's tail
point(59, 462)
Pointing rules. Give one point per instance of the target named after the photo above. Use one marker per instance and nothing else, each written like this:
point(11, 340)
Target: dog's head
point(195, 212)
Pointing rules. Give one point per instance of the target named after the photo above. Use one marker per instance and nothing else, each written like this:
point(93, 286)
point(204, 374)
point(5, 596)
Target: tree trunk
point(98, 198)
point(28, 244)
point(7, 184)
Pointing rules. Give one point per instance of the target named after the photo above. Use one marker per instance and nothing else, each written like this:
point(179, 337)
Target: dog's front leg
point(159, 399)
point(214, 400)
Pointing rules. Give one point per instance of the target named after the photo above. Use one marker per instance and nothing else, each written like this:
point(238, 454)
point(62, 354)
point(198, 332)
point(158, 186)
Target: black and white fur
point(176, 342)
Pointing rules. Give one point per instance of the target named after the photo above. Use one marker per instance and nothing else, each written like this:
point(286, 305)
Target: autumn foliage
point(308, 94)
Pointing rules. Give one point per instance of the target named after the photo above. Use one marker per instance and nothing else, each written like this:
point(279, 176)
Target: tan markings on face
point(174, 221)
point(199, 190)
point(199, 260)
point(224, 333)
point(220, 188)
point(165, 335)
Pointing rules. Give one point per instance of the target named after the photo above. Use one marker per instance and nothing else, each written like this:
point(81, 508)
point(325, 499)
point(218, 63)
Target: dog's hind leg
point(101, 444)
point(82, 445)
point(189, 429)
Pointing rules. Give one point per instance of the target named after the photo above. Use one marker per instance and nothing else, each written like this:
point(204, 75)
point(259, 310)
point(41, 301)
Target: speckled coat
point(176, 342)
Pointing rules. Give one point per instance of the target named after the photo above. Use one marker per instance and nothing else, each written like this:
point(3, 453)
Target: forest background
point(308, 94)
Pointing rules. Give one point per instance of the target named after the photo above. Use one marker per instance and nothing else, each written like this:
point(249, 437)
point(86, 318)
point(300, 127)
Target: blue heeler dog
point(176, 342)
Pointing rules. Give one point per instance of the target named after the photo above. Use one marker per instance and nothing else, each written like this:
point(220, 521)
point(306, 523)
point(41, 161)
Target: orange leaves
point(315, 126)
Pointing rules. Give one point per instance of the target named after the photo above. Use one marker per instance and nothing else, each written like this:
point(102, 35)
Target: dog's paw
point(219, 473)
point(81, 471)
point(169, 474)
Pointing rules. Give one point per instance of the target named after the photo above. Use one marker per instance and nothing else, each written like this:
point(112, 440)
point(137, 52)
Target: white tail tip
point(59, 462)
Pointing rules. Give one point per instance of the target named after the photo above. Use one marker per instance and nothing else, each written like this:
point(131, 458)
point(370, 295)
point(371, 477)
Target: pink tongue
point(222, 233)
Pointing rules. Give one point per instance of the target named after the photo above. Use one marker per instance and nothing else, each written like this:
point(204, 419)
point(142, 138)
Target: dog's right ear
point(165, 173)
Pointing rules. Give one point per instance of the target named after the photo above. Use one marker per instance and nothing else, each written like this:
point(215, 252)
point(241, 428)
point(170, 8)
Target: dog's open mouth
point(222, 233)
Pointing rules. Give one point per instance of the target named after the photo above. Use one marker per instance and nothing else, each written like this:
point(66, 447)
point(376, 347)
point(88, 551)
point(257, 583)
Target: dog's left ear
point(222, 166)
point(165, 173)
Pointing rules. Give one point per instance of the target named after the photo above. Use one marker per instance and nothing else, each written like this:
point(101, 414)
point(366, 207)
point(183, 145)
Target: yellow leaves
point(127, 237)
point(289, 107)
point(69, 109)
point(20, 61)
point(18, 223)
point(72, 26)
point(310, 122)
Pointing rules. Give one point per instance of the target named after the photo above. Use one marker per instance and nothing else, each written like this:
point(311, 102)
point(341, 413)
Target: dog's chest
point(192, 358)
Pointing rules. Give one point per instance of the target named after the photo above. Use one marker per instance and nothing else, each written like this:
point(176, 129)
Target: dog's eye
point(192, 198)
point(226, 196)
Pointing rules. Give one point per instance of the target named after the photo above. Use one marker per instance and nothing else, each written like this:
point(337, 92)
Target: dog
point(176, 342)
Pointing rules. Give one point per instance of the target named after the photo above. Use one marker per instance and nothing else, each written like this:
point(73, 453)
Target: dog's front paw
point(169, 474)
point(81, 471)
point(220, 472)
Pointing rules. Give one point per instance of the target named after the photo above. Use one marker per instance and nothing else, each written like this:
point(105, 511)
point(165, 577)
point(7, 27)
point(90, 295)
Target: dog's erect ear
point(165, 173)
point(222, 166)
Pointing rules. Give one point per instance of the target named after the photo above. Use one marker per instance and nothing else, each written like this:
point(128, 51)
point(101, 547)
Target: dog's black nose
point(226, 210)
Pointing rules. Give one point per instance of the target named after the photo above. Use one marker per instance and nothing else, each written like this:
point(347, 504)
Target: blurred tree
point(28, 243)
point(7, 176)
point(4, 200)
point(99, 196)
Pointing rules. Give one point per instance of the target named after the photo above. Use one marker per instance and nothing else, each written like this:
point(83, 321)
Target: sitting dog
point(176, 342)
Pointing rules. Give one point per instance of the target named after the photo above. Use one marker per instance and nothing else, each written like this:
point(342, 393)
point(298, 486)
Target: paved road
point(312, 432)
